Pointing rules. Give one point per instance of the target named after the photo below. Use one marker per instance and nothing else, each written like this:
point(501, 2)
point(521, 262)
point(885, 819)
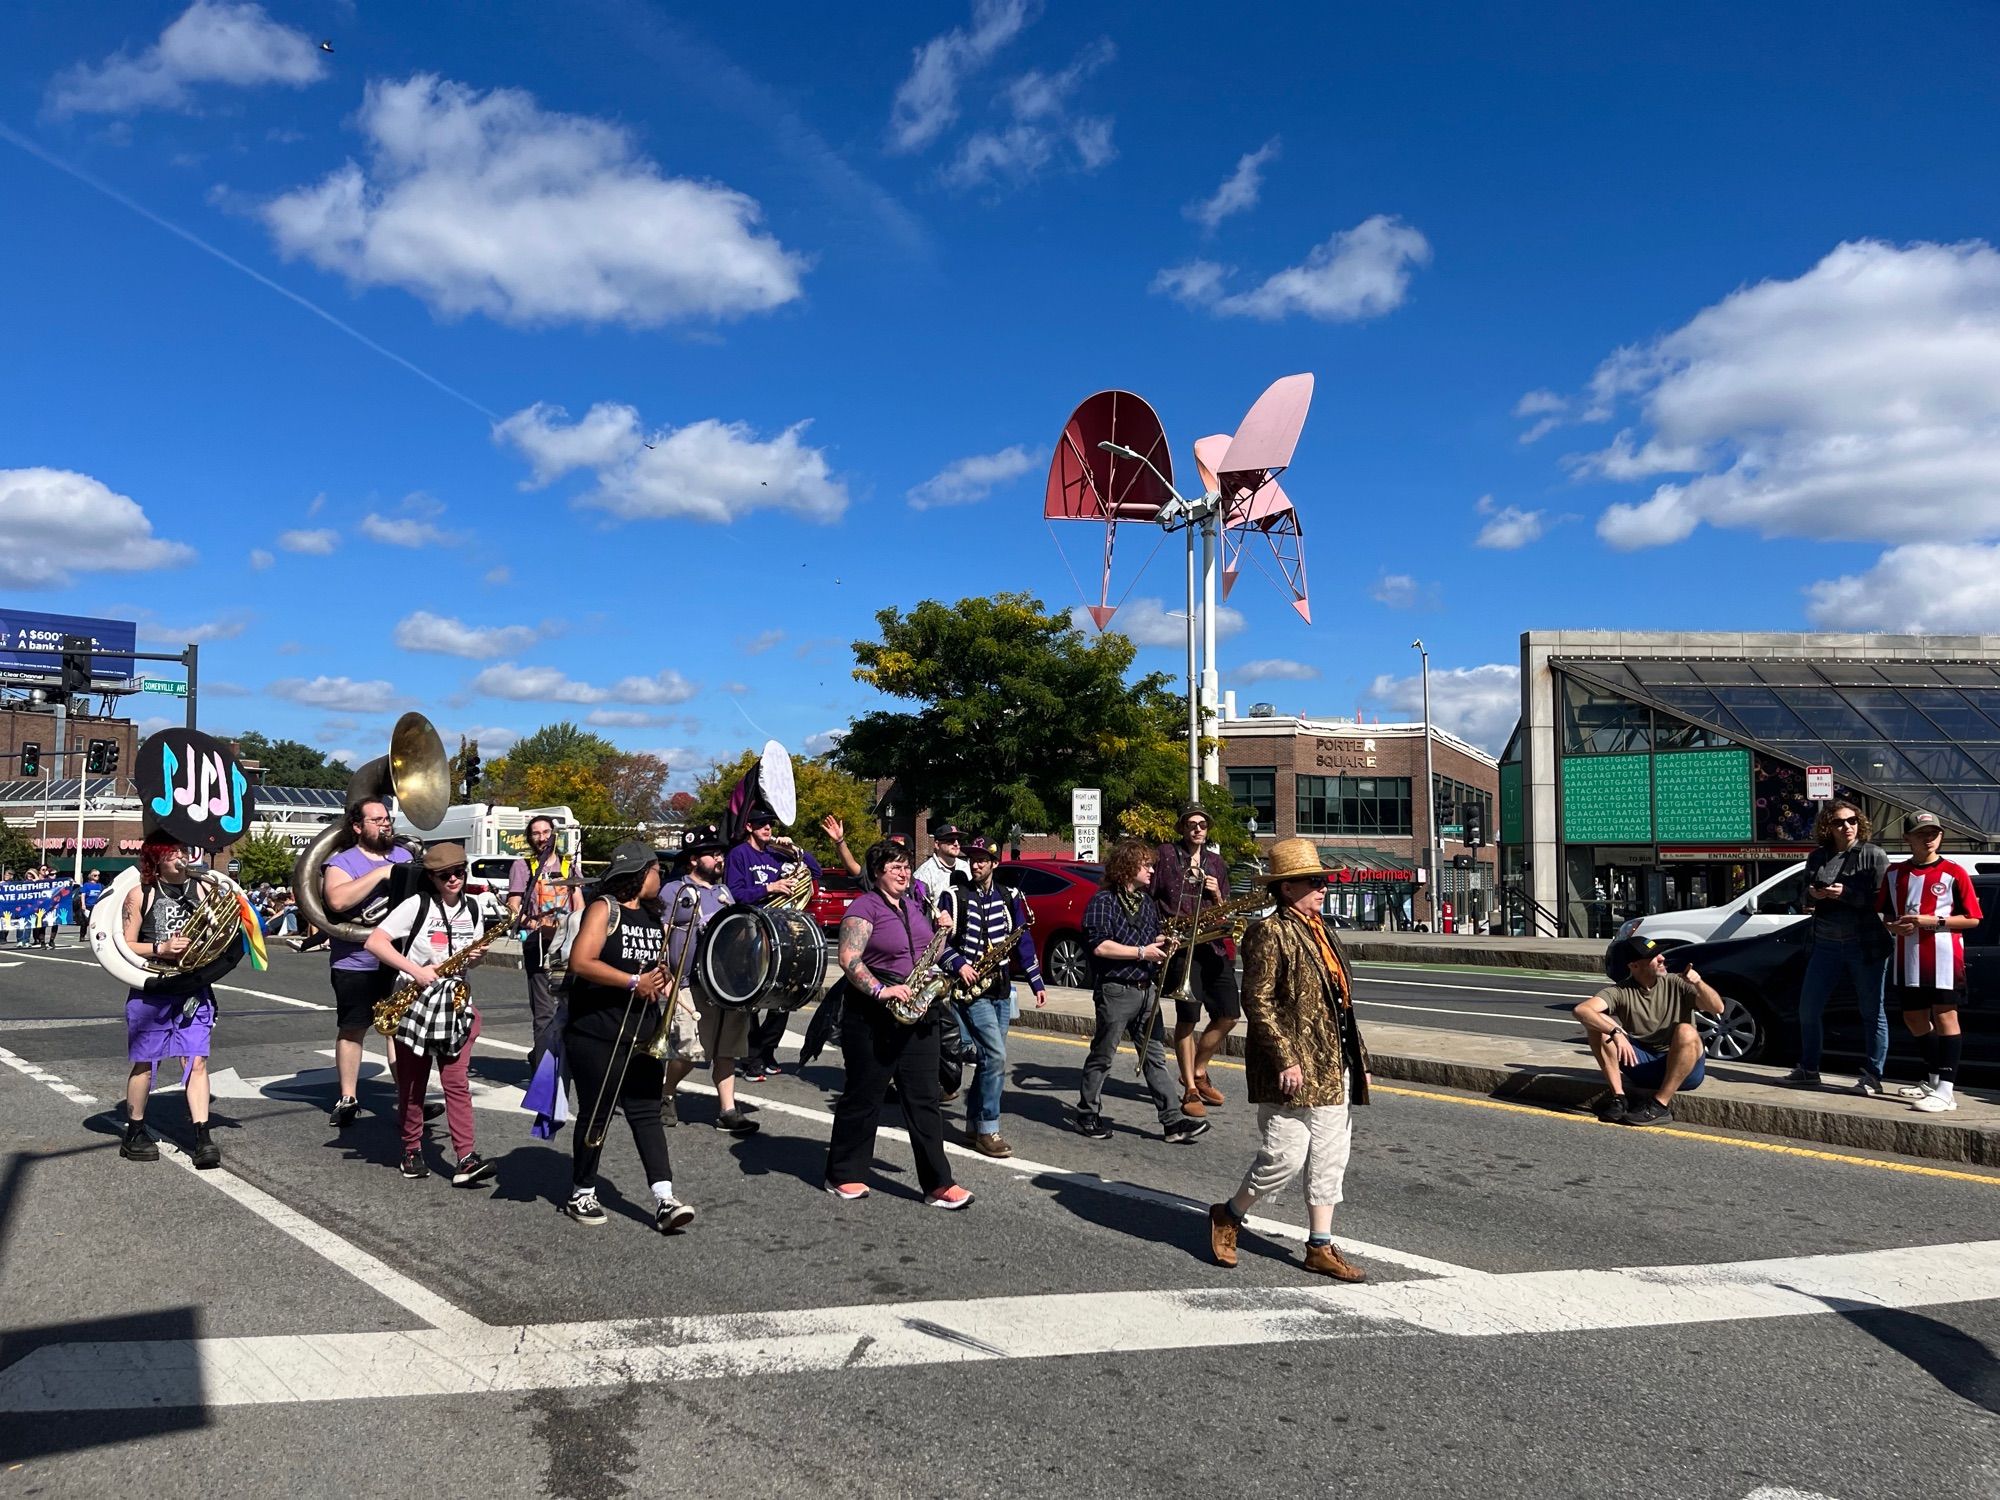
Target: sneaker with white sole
point(1935, 1104)
point(671, 1217)
point(952, 1197)
point(1917, 1090)
point(848, 1191)
point(1868, 1086)
point(472, 1169)
point(583, 1207)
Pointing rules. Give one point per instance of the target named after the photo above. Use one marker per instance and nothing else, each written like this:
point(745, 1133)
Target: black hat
point(945, 831)
point(630, 858)
point(701, 838)
point(1621, 955)
point(758, 816)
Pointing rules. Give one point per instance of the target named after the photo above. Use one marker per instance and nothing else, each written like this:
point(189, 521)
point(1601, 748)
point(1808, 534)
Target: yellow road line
point(1543, 1112)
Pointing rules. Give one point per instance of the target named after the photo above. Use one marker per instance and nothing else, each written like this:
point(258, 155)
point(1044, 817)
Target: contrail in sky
point(15, 138)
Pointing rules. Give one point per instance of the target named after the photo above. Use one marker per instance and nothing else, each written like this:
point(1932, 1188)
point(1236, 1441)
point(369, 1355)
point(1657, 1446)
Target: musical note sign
point(191, 787)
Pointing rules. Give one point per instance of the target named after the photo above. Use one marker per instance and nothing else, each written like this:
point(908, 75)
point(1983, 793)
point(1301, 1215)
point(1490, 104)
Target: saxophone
point(929, 982)
point(1232, 917)
point(389, 1011)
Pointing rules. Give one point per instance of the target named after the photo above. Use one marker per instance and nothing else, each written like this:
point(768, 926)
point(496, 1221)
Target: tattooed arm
point(854, 934)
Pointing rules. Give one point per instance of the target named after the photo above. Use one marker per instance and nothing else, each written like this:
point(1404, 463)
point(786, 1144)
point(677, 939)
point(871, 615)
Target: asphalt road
point(1556, 1308)
point(1513, 1003)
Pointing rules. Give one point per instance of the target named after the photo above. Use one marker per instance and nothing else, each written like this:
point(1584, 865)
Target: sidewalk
point(1736, 1096)
point(1570, 955)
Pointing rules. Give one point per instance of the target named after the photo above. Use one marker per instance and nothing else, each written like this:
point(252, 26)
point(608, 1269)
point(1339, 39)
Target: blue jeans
point(1829, 959)
point(983, 1023)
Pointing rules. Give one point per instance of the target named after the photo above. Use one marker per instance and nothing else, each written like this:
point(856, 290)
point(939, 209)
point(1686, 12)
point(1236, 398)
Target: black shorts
point(1916, 997)
point(1213, 988)
point(355, 992)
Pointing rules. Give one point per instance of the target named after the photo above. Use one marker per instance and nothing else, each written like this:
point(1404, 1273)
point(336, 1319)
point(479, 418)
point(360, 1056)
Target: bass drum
point(761, 958)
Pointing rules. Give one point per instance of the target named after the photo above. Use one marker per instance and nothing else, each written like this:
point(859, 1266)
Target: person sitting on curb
point(1641, 1031)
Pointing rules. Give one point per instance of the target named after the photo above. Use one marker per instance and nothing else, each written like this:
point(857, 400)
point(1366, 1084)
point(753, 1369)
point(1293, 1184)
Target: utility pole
point(1432, 845)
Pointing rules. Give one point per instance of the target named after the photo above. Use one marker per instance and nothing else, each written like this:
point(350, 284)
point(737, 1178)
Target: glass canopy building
point(1659, 771)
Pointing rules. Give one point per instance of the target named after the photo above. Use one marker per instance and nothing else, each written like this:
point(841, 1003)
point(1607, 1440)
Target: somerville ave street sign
point(165, 685)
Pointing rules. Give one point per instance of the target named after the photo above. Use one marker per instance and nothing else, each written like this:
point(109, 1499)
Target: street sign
point(1086, 841)
point(168, 685)
point(1086, 805)
point(1819, 783)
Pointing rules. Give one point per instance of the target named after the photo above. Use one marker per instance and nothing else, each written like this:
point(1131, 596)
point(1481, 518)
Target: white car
point(1778, 902)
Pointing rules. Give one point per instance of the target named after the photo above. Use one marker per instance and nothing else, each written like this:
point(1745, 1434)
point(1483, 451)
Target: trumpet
point(596, 1124)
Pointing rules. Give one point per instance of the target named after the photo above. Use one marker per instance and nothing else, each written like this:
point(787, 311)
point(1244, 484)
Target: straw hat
point(1293, 859)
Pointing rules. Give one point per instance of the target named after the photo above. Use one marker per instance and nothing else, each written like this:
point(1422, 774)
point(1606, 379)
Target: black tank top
point(166, 912)
point(631, 949)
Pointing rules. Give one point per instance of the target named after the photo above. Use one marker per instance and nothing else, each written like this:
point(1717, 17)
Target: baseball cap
point(1921, 820)
point(1621, 955)
point(630, 858)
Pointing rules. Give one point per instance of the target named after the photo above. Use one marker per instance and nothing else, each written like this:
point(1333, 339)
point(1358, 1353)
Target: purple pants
point(413, 1077)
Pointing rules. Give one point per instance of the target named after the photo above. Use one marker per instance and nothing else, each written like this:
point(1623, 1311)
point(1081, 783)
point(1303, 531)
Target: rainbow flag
point(253, 934)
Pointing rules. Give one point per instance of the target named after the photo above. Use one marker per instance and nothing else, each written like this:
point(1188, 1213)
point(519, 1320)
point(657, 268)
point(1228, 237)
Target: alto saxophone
point(929, 981)
point(390, 1010)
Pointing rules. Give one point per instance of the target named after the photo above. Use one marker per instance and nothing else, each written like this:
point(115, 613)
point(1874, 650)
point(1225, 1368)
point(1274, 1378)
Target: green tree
point(264, 856)
point(290, 763)
point(577, 786)
point(1015, 707)
point(823, 791)
point(556, 744)
point(16, 853)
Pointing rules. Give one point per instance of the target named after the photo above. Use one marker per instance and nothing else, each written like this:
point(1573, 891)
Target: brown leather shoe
point(1222, 1234)
point(1209, 1093)
point(989, 1145)
point(1325, 1260)
point(1191, 1105)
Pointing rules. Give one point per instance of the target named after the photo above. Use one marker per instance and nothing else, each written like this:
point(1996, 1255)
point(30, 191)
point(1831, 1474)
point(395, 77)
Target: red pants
point(413, 1077)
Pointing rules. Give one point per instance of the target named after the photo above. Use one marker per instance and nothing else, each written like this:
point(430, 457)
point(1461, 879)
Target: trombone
point(656, 1047)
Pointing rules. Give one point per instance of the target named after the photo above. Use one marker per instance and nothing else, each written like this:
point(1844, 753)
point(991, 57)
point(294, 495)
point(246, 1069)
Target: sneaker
point(472, 1168)
point(1868, 1086)
point(1182, 1131)
point(1649, 1112)
point(1092, 1127)
point(137, 1145)
point(1802, 1078)
point(1935, 1104)
point(751, 1072)
point(848, 1191)
point(413, 1165)
point(433, 1110)
point(773, 1068)
point(583, 1208)
point(1917, 1090)
point(206, 1154)
point(1611, 1108)
point(952, 1197)
point(735, 1122)
point(345, 1109)
point(671, 1217)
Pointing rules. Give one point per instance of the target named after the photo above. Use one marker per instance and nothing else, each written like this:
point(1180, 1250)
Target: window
point(1599, 723)
point(1450, 798)
point(1255, 788)
point(1032, 882)
point(1378, 806)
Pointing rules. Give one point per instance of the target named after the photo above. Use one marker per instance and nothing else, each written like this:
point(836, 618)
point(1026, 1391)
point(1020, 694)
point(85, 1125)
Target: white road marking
point(57, 1024)
point(41, 1075)
point(1776, 1492)
point(1586, 986)
point(229, 989)
point(469, 1360)
point(307, 1083)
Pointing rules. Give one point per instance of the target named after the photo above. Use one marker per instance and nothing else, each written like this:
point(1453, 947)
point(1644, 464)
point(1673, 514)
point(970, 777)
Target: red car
point(836, 892)
point(1056, 892)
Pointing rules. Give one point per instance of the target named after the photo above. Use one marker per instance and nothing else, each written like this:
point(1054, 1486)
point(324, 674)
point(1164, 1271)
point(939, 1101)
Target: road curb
point(1471, 954)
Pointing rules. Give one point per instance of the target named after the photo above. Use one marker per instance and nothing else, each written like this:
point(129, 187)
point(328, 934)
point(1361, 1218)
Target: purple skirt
point(155, 1028)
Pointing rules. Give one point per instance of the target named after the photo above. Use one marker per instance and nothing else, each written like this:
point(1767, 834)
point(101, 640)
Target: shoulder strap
point(423, 912)
point(612, 912)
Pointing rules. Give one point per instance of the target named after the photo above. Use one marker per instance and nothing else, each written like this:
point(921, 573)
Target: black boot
point(206, 1153)
point(137, 1145)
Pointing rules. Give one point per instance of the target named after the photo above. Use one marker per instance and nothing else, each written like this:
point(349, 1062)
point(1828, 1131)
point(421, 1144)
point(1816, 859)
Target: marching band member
point(357, 877)
point(540, 898)
point(946, 867)
point(881, 937)
point(990, 914)
point(418, 934)
point(1211, 976)
point(1122, 929)
point(615, 959)
point(162, 1026)
point(1305, 1064)
point(755, 874)
point(722, 1034)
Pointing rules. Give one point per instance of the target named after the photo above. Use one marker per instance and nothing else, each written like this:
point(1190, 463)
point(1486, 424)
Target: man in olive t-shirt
point(1641, 1031)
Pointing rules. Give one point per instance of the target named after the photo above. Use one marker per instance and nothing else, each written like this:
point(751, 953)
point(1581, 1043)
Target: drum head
point(738, 956)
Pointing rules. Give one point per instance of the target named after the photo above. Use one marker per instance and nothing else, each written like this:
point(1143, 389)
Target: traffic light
point(31, 759)
point(75, 666)
point(472, 771)
point(102, 758)
point(1475, 824)
point(1463, 862)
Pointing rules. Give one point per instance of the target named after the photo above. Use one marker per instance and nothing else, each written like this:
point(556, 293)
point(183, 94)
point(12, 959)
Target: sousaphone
point(417, 774)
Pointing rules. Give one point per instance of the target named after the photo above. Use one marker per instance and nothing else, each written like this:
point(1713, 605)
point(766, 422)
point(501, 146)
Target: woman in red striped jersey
point(1928, 901)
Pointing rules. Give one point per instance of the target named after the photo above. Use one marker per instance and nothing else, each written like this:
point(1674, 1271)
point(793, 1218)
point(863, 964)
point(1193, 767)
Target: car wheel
point(1739, 1034)
point(1067, 964)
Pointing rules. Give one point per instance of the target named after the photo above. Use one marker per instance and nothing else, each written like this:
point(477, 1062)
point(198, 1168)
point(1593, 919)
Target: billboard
point(26, 637)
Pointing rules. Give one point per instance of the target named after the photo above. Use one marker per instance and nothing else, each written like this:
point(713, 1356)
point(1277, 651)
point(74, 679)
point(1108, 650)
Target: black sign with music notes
point(191, 787)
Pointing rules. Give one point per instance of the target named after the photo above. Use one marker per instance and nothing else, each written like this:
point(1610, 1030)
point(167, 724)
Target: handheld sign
point(193, 789)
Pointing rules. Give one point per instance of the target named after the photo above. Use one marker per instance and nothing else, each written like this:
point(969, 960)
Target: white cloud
point(971, 479)
point(1508, 526)
point(316, 543)
point(1548, 409)
point(1398, 591)
point(1922, 588)
point(55, 523)
point(1148, 622)
point(628, 718)
point(1480, 704)
point(1239, 191)
point(552, 685)
point(1273, 669)
point(1361, 272)
point(492, 739)
point(342, 694)
point(927, 101)
point(406, 531)
point(226, 629)
point(487, 203)
point(707, 471)
point(824, 741)
point(1042, 128)
point(1858, 401)
point(497, 577)
point(209, 42)
point(447, 636)
point(758, 644)
point(260, 559)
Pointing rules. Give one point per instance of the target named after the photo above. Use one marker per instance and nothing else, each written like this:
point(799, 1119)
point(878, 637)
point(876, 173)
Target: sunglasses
point(456, 872)
point(1847, 820)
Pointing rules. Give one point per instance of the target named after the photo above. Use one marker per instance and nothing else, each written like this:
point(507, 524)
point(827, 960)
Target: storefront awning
point(1363, 863)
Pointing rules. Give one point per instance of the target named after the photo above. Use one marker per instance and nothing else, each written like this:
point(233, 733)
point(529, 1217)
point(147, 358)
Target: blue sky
point(1667, 318)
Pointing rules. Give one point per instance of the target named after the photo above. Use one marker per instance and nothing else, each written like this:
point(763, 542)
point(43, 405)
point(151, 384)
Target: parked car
point(1760, 979)
point(1056, 891)
point(1777, 902)
point(836, 892)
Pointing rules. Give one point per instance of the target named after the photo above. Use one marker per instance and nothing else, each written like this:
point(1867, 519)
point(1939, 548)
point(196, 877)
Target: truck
point(495, 836)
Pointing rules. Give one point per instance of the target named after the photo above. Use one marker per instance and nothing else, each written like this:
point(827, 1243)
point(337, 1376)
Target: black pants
point(594, 1056)
point(876, 1048)
point(765, 1033)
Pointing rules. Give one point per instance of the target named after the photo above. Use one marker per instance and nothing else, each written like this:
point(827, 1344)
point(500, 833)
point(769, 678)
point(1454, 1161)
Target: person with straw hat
point(1304, 1063)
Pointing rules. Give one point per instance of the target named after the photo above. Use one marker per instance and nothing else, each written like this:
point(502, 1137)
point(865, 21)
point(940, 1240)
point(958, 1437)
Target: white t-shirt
point(444, 933)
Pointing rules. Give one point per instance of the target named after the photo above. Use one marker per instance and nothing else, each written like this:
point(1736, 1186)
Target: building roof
point(1245, 727)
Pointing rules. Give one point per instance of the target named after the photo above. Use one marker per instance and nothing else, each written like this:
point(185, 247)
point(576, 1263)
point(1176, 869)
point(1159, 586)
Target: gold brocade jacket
point(1296, 1012)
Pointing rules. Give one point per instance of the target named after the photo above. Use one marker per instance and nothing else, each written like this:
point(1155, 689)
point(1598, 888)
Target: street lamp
point(1433, 846)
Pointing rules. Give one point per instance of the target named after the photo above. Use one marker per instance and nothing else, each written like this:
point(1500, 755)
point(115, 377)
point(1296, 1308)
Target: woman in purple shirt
point(881, 937)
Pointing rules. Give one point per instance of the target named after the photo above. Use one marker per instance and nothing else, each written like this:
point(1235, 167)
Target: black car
point(1760, 979)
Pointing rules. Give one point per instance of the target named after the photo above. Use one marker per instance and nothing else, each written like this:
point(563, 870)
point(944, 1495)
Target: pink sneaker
point(848, 1190)
point(951, 1197)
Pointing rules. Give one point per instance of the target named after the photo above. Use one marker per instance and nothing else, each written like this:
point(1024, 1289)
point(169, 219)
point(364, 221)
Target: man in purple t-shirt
point(357, 886)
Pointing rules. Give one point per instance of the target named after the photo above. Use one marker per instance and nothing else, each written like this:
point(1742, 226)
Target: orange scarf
point(1331, 959)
